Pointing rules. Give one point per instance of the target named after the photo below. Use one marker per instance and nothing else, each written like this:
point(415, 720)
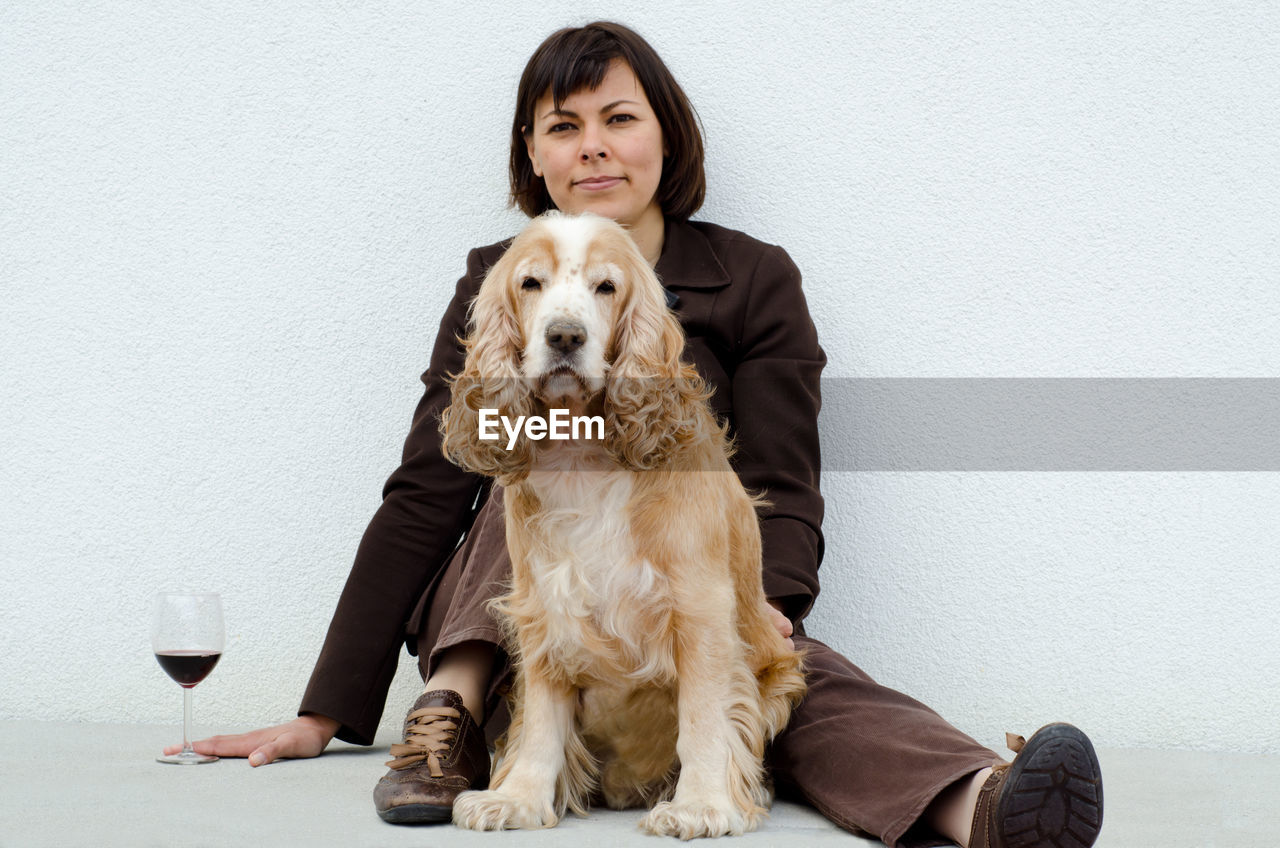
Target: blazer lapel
point(687, 260)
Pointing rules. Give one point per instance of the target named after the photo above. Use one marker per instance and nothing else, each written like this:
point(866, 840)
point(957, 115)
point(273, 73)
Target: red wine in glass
point(187, 668)
point(187, 637)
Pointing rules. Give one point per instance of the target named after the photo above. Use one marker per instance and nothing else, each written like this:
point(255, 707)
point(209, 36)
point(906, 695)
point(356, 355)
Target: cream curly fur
point(648, 672)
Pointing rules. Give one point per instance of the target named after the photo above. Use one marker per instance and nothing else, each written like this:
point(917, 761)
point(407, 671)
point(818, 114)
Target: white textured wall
point(227, 233)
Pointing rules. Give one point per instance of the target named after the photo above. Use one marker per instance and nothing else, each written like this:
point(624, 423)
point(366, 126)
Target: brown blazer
point(749, 335)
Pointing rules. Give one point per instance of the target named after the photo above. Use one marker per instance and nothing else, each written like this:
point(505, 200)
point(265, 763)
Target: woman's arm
point(776, 399)
point(427, 504)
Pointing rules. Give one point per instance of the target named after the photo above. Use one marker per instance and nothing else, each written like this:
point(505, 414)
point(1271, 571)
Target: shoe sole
point(417, 814)
point(1054, 795)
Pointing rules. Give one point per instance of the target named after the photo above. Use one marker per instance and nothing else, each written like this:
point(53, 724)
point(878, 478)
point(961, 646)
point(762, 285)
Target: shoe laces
point(1015, 744)
point(428, 734)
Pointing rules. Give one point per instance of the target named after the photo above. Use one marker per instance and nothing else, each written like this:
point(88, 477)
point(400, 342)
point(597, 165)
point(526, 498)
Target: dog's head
point(573, 317)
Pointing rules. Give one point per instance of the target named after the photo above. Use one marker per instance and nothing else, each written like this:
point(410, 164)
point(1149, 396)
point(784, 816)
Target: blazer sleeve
point(425, 508)
point(776, 399)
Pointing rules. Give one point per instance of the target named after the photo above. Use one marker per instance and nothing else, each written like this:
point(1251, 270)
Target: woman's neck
point(648, 233)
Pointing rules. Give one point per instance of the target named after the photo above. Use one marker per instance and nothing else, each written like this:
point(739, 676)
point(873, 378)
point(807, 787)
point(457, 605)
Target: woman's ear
point(532, 151)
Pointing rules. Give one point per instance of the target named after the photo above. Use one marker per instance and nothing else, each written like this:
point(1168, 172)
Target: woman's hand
point(780, 621)
point(305, 736)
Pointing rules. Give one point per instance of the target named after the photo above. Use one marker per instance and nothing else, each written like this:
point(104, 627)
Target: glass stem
point(186, 721)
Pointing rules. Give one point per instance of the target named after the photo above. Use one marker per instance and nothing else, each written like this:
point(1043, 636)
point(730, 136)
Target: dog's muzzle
point(565, 337)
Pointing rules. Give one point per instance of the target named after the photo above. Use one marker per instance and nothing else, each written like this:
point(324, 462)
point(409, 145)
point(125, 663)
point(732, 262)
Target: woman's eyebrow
point(565, 113)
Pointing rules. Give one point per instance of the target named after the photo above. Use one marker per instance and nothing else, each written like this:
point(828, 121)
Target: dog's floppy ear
point(490, 379)
point(653, 401)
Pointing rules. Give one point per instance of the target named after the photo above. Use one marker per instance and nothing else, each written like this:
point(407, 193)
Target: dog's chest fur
point(607, 607)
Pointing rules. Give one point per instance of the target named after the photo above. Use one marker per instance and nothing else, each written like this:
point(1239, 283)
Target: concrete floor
point(98, 784)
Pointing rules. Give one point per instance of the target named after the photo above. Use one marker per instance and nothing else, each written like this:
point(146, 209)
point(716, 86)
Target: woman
point(602, 126)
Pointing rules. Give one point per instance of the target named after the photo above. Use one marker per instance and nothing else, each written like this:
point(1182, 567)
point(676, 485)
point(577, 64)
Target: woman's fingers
point(288, 745)
point(781, 623)
point(268, 753)
point(237, 745)
point(302, 737)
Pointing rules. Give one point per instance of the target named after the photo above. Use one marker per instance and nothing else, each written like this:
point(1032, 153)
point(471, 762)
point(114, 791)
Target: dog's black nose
point(566, 337)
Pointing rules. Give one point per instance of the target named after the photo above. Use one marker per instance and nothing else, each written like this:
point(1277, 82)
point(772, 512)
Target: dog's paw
point(694, 820)
point(495, 810)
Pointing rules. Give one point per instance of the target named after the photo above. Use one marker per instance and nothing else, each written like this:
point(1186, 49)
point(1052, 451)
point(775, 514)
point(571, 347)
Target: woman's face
point(602, 150)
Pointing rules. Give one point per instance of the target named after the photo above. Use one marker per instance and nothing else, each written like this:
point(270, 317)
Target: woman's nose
point(593, 145)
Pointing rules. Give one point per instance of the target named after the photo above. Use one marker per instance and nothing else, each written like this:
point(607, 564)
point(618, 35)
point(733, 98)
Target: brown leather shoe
point(1050, 796)
point(443, 754)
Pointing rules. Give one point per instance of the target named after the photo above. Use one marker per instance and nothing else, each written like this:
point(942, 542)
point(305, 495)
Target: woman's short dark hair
point(578, 58)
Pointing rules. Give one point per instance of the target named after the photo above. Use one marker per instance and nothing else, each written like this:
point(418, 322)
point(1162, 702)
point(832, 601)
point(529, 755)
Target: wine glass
point(187, 636)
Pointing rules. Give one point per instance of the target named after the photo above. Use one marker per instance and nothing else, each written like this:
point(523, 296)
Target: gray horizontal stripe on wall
point(1050, 424)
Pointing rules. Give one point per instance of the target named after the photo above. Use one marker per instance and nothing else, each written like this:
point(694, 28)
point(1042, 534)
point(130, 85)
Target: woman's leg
point(444, 751)
point(466, 669)
point(872, 759)
point(951, 813)
point(458, 641)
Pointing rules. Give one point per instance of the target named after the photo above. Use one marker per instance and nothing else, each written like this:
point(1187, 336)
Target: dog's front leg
point(523, 792)
point(720, 739)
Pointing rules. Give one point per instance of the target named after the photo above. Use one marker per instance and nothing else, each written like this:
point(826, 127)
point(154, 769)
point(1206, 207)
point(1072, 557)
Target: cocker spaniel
point(647, 669)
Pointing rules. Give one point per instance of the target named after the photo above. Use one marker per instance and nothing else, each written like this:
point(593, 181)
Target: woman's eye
point(622, 117)
point(605, 288)
point(561, 127)
point(530, 284)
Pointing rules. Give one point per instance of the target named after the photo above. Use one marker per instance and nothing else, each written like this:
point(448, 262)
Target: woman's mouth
point(597, 183)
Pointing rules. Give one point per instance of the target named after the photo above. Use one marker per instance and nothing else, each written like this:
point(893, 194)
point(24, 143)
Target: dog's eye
point(605, 288)
point(530, 284)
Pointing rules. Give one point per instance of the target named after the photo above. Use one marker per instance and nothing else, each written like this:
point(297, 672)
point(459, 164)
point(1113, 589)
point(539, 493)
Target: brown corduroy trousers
point(867, 757)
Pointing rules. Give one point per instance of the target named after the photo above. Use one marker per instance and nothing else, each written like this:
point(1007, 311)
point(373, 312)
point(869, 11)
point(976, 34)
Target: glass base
point(187, 759)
